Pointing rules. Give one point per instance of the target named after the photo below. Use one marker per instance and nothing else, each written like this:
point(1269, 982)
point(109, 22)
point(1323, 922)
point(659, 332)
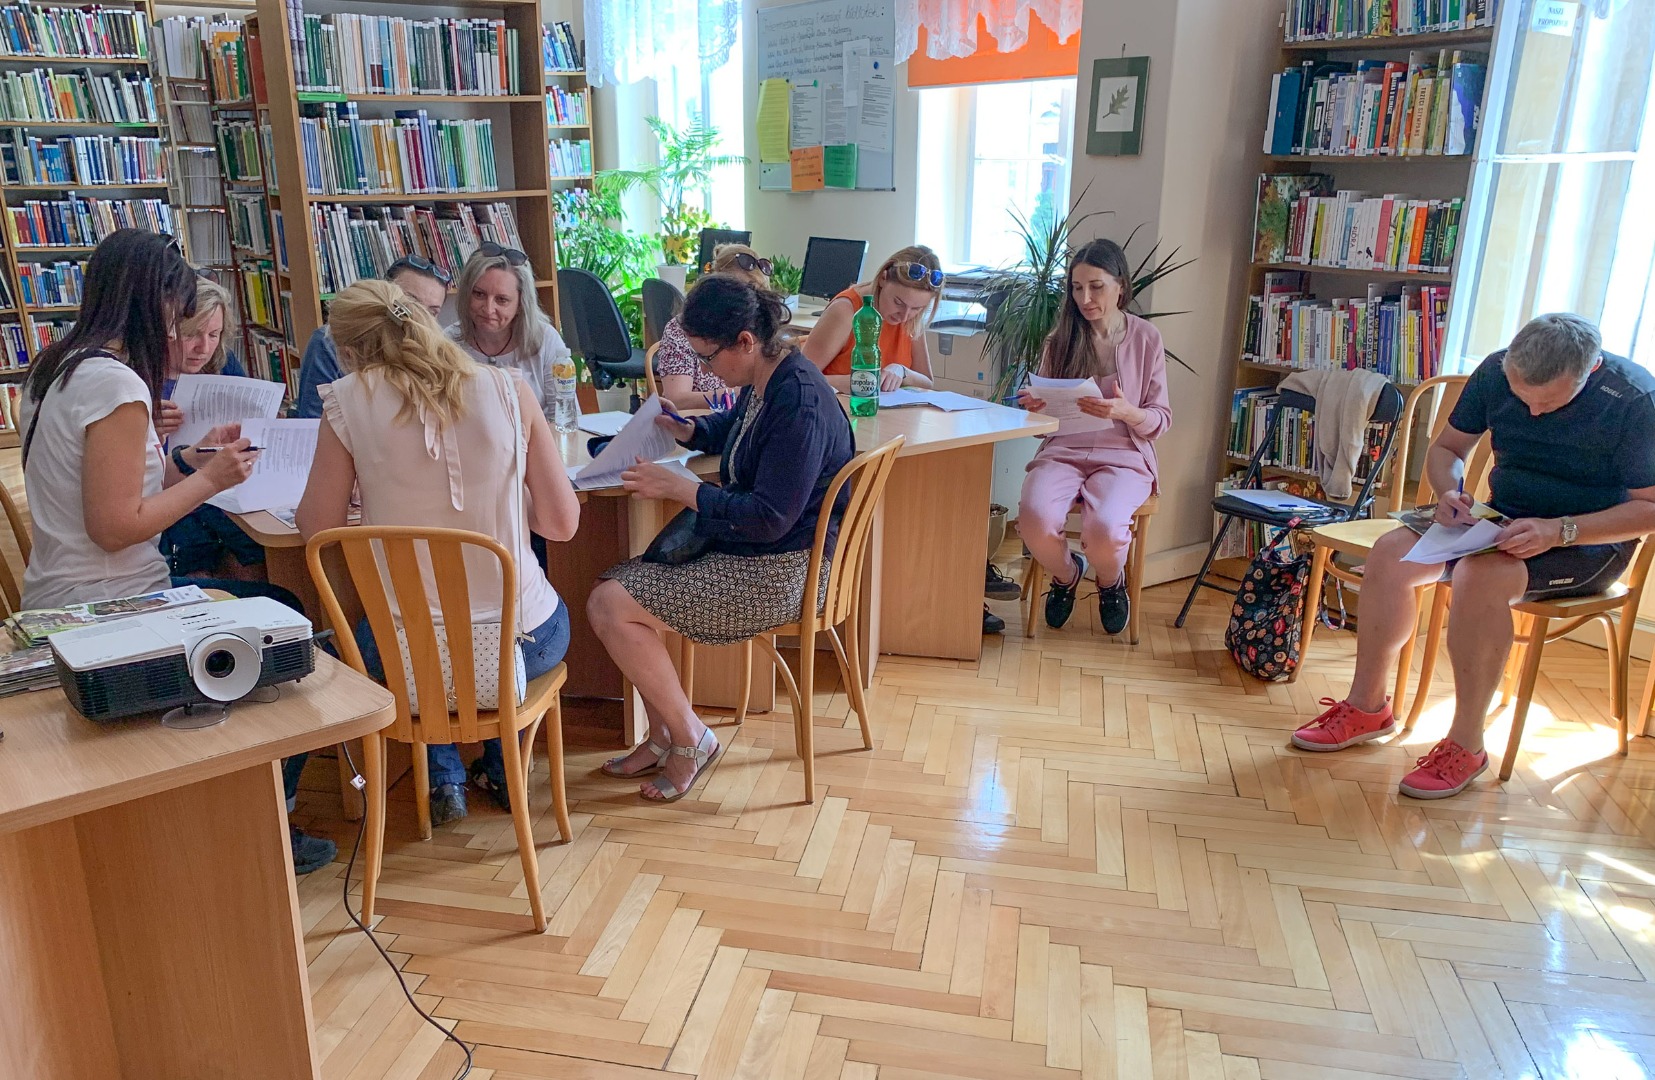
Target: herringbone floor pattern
point(1074, 859)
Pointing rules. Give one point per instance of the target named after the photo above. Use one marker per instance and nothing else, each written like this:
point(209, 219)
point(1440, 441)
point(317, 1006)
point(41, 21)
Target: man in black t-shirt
point(1573, 434)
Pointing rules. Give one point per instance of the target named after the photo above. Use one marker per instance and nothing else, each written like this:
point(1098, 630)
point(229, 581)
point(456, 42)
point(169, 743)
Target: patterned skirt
point(721, 599)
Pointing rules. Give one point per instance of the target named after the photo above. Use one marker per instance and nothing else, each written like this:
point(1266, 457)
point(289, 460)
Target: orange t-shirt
point(895, 346)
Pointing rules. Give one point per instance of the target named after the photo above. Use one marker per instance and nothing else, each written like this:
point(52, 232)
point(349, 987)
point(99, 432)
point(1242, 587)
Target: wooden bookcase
point(520, 139)
point(1418, 176)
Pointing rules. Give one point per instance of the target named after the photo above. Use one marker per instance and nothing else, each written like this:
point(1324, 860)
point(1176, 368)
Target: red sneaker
point(1444, 771)
point(1344, 725)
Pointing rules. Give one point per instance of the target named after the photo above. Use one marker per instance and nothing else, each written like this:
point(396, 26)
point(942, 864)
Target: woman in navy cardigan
point(782, 445)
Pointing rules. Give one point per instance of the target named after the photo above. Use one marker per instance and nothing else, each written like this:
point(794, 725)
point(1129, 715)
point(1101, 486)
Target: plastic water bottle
point(565, 408)
point(864, 360)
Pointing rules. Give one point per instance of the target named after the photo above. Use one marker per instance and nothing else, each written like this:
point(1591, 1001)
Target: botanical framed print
point(1116, 123)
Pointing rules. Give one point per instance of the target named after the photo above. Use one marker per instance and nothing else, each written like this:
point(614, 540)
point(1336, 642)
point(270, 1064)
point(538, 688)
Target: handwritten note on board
point(839, 166)
point(773, 121)
point(807, 168)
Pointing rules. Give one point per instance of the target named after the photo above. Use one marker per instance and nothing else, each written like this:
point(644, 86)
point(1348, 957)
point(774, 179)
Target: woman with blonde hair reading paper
point(433, 438)
point(501, 323)
point(906, 290)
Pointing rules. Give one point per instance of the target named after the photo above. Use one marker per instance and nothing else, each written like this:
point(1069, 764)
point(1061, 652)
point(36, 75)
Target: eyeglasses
point(917, 273)
point(424, 266)
point(513, 257)
point(175, 245)
point(707, 359)
point(743, 261)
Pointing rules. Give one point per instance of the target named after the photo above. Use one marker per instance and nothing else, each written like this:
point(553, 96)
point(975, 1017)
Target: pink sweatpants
point(1111, 483)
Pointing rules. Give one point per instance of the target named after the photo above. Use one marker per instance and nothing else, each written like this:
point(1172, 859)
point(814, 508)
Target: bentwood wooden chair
point(411, 556)
point(11, 577)
point(1035, 577)
point(866, 476)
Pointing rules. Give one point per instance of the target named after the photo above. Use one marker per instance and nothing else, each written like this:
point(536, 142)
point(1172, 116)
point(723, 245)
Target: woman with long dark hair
point(1110, 469)
point(98, 483)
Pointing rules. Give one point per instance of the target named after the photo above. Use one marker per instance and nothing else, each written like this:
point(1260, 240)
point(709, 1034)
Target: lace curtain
point(631, 40)
point(951, 25)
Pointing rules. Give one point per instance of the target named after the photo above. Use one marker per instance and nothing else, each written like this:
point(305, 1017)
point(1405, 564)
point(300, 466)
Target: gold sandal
point(701, 754)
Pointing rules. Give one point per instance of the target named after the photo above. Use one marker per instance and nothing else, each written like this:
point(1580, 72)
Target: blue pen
point(667, 411)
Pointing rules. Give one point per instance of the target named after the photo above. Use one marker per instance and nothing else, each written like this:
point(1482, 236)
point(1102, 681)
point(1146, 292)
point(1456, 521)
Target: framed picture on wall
point(1116, 125)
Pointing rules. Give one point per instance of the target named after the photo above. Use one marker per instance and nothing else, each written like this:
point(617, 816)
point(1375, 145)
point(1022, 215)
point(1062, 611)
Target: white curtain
point(951, 25)
point(631, 40)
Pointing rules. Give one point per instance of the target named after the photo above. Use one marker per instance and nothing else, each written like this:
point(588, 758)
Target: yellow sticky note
point(807, 168)
point(773, 121)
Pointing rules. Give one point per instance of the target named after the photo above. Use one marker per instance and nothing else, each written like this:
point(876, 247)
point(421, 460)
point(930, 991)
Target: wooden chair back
point(1434, 399)
point(405, 552)
point(11, 577)
point(649, 369)
point(866, 474)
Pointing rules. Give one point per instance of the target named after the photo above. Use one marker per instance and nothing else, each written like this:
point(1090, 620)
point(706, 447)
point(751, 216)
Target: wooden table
point(149, 925)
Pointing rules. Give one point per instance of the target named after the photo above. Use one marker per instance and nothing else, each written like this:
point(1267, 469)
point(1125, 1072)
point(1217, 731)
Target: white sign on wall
point(1555, 17)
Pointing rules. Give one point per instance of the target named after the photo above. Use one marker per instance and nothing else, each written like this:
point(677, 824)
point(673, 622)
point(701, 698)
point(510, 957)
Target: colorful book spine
point(354, 242)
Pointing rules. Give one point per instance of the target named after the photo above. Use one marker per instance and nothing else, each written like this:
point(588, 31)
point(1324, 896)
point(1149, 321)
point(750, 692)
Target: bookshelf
point(1353, 137)
point(305, 73)
point(571, 150)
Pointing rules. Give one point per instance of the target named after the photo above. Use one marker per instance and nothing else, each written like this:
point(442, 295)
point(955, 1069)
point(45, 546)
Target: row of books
point(1396, 331)
point(79, 96)
point(7, 303)
point(72, 32)
point(179, 43)
point(51, 284)
point(266, 355)
point(258, 293)
point(355, 242)
point(566, 108)
point(81, 222)
point(559, 49)
point(249, 224)
point(15, 340)
point(1430, 105)
point(208, 238)
point(570, 158)
point(238, 151)
point(1247, 538)
point(384, 54)
point(199, 182)
point(44, 333)
point(1300, 219)
point(228, 74)
point(191, 116)
point(1321, 20)
point(409, 155)
point(1250, 409)
point(83, 160)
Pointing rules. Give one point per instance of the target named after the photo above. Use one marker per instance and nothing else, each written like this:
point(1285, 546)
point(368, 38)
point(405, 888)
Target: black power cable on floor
point(359, 785)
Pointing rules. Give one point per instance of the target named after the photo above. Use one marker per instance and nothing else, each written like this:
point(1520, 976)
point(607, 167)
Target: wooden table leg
point(934, 549)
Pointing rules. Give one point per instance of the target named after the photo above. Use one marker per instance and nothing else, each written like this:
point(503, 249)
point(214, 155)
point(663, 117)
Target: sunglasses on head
point(423, 265)
point(743, 261)
point(513, 257)
point(917, 273)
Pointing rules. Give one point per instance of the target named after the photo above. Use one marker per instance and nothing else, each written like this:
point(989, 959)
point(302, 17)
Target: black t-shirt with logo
point(1580, 459)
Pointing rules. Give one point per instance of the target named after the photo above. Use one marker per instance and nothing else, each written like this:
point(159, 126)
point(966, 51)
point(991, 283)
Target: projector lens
point(220, 663)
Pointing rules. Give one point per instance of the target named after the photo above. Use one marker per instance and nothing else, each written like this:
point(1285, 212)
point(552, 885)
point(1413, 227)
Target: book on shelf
point(16, 341)
point(238, 151)
point(45, 333)
point(1395, 330)
point(258, 293)
point(560, 50)
point(1429, 105)
point(570, 158)
point(382, 54)
point(191, 114)
point(181, 44)
point(354, 242)
point(1273, 212)
point(1299, 219)
point(266, 354)
point(82, 222)
point(227, 70)
point(83, 160)
point(77, 97)
point(54, 284)
point(200, 183)
point(1247, 538)
point(1324, 20)
point(1250, 409)
point(7, 301)
point(208, 238)
point(565, 108)
point(249, 227)
point(411, 154)
point(105, 33)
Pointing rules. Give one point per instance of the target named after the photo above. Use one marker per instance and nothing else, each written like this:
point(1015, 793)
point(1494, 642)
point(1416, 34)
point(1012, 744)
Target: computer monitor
point(831, 266)
point(712, 238)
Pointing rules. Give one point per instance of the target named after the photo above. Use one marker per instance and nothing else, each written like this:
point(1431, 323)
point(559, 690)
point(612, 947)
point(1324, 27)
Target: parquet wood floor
point(1074, 859)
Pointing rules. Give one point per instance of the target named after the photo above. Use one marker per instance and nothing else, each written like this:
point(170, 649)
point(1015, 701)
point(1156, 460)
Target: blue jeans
point(547, 645)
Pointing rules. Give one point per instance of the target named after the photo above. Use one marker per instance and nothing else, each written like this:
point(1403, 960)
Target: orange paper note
point(807, 169)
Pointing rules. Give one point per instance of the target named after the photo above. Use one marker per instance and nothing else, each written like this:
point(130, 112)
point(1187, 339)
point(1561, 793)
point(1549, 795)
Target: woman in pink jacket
point(1111, 468)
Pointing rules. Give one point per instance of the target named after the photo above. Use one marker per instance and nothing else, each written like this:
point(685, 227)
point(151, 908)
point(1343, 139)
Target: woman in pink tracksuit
point(1111, 470)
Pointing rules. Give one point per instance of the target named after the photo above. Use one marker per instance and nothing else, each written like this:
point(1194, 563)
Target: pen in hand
point(216, 449)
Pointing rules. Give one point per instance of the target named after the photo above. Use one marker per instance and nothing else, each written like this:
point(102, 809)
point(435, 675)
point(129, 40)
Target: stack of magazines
point(22, 670)
point(29, 629)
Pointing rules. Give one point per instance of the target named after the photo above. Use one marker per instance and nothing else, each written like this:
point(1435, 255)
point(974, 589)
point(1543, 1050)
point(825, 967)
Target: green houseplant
point(590, 237)
point(785, 275)
point(1031, 291)
point(683, 172)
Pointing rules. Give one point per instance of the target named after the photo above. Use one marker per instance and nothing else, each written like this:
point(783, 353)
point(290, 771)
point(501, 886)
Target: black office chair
point(662, 301)
point(1386, 412)
point(592, 325)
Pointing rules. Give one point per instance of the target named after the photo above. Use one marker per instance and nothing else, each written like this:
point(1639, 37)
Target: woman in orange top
point(906, 290)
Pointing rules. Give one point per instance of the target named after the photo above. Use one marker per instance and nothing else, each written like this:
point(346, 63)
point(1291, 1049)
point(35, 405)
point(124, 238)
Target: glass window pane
point(1585, 91)
point(1020, 163)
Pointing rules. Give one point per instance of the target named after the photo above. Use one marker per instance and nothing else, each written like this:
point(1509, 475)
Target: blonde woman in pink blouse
point(1111, 471)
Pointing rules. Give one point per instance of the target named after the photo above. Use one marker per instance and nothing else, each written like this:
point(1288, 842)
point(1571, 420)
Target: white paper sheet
point(210, 400)
point(641, 437)
point(1062, 397)
point(873, 128)
point(805, 108)
point(1280, 501)
point(604, 423)
point(1444, 542)
point(851, 76)
point(282, 470)
point(946, 400)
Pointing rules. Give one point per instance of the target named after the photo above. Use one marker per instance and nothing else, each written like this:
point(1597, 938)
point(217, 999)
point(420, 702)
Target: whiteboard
point(806, 41)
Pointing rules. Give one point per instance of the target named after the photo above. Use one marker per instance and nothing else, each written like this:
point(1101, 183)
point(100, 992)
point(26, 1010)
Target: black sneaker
point(997, 586)
point(992, 623)
point(1060, 601)
point(492, 783)
point(1114, 609)
point(310, 853)
point(447, 803)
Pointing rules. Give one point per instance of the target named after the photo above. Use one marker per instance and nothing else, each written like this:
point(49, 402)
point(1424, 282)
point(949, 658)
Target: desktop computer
point(831, 266)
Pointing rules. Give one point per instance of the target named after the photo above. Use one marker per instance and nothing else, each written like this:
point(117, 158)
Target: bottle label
point(864, 382)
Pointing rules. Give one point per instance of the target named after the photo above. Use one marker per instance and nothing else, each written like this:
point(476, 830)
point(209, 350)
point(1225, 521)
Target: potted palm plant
point(679, 180)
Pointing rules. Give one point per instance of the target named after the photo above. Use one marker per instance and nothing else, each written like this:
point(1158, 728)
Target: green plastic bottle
point(864, 360)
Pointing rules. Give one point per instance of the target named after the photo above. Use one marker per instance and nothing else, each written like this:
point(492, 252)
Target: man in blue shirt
point(426, 284)
point(1573, 434)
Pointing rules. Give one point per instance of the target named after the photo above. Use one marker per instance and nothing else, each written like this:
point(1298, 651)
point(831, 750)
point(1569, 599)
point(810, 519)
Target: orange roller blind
point(1042, 57)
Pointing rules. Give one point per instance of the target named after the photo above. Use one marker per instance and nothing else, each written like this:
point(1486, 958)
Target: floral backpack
point(1267, 619)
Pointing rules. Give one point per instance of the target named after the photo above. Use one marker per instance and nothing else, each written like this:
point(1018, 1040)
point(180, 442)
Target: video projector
point(183, 656)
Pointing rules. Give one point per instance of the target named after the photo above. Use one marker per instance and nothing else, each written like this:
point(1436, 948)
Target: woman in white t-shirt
point(501, 323)
point(89, 400)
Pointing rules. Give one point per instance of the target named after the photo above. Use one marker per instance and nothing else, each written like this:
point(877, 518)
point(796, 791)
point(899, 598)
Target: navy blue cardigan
point(772, 490)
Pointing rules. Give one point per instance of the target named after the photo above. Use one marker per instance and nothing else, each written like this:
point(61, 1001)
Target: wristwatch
point(184, 468)
point(1570, 530)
